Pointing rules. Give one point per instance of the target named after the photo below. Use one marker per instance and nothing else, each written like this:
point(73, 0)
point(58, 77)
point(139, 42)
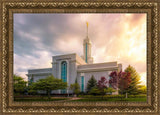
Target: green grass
point(39, 99)
point(86, 98)
point(144, 99)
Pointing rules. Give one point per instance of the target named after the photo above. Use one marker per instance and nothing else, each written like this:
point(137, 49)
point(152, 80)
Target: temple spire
point(87, 28)
point(87, 49)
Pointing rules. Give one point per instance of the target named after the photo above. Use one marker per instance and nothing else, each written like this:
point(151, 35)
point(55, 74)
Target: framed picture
point(79, 57)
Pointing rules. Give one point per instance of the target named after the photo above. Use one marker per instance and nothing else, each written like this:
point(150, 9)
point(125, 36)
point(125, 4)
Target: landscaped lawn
point(39, 99)
point(86, 98)
point(144, 99)
point(131, 98)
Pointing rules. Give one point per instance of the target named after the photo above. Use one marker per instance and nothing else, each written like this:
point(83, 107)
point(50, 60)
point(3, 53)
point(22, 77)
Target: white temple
point(71, 66)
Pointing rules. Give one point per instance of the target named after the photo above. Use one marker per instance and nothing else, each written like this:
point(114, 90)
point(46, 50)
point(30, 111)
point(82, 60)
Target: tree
point(124, 82)
point(120, 80)
point(30, 81)
point(75, 87)
point(110, 90)
point(135, 80)
point(102, 86)
point(113, 81)
point(30, 88)
point(19, 84)
point(92, 82)
point(48, 84)
point(142, 89)
point(94, 91)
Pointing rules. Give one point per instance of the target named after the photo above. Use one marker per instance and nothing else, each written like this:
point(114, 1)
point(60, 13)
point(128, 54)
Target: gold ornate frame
point(9, 7)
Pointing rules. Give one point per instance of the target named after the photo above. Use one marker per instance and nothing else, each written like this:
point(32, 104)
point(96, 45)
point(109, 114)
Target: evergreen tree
point(135, 80)
point(92, 82)
point(142, 89)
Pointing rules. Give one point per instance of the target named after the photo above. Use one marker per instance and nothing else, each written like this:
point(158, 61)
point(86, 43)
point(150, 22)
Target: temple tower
point(87, 49)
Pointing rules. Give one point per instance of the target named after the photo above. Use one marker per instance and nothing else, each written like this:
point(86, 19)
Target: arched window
point(64, 74)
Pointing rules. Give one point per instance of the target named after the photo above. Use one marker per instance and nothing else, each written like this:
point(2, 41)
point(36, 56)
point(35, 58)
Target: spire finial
point(87, 28)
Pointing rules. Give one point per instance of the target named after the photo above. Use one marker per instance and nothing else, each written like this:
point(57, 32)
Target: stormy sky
point(115, 37)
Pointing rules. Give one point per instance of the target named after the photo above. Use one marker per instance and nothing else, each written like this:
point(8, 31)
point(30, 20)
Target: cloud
point(23, 63)
point(115, 37)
